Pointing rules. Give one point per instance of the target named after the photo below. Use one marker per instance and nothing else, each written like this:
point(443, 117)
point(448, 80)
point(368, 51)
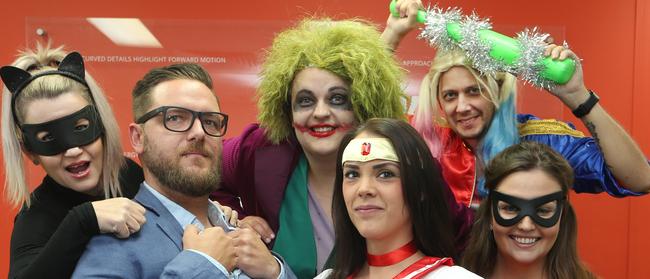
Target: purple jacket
point(257, 172)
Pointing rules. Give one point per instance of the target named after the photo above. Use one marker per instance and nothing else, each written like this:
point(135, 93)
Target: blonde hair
point(351, 49)
point(496, 89)
point(50, 86)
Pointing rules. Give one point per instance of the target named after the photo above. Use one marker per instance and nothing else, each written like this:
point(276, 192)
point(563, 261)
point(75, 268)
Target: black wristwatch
point(584, 108)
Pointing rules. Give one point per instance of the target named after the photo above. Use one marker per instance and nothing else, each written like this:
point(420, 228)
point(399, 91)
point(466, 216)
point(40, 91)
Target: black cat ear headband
point(16, 79)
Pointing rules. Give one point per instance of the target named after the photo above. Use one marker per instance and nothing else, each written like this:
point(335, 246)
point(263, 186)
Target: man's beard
point(171, 175)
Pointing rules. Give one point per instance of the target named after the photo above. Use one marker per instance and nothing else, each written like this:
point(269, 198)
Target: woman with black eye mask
point(56, 115)
point(526, 228)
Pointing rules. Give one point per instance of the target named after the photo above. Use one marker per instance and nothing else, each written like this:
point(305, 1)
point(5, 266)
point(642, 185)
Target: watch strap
point(584, 108)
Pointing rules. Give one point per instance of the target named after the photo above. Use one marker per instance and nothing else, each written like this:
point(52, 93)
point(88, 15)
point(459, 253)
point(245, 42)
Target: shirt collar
point(184, 217)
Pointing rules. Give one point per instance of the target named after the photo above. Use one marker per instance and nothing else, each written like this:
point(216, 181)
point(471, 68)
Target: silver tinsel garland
point(527, 67)
point(435, 27)
point(476, 49)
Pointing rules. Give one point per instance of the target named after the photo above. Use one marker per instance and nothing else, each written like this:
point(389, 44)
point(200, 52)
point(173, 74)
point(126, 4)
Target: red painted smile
point(320, 130)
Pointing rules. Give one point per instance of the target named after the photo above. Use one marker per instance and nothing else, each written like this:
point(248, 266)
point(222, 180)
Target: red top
point(458, 167)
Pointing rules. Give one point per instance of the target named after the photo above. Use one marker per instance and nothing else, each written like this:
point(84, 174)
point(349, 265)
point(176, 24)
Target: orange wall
point(612, 37)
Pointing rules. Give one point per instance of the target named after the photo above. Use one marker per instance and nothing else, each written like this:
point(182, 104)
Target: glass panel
point(231, 50)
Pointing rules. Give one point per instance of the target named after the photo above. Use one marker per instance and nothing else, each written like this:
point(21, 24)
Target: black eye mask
point(63, 132)
point(527, 208)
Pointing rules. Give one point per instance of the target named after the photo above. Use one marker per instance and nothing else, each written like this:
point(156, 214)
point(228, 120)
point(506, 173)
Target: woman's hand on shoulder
point(119, 216)
point(231, 215)
point(260, 226)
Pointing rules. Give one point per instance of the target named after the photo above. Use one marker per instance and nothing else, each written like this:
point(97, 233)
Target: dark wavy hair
point(422, 188)
point(562, 260)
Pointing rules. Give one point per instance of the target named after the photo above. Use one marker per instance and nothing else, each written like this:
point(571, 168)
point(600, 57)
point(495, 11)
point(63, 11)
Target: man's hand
point(212, 241)
point(398, 27)
point(574, 92)
point(253, 258)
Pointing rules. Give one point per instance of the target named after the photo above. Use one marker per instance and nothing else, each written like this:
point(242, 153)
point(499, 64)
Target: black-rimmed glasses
point(179, 119)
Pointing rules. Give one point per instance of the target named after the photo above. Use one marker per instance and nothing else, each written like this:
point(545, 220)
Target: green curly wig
point(351, 49)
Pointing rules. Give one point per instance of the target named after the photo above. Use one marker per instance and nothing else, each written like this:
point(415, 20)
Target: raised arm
point(398, 27)
point(622, 155)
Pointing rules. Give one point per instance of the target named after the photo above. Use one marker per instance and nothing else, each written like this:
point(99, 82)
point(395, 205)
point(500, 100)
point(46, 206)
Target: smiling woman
point(315, 86)
point(526, 228)
point(55, 114)
point(321, 112)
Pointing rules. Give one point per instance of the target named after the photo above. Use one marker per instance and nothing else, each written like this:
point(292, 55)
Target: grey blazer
point(155, 251)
